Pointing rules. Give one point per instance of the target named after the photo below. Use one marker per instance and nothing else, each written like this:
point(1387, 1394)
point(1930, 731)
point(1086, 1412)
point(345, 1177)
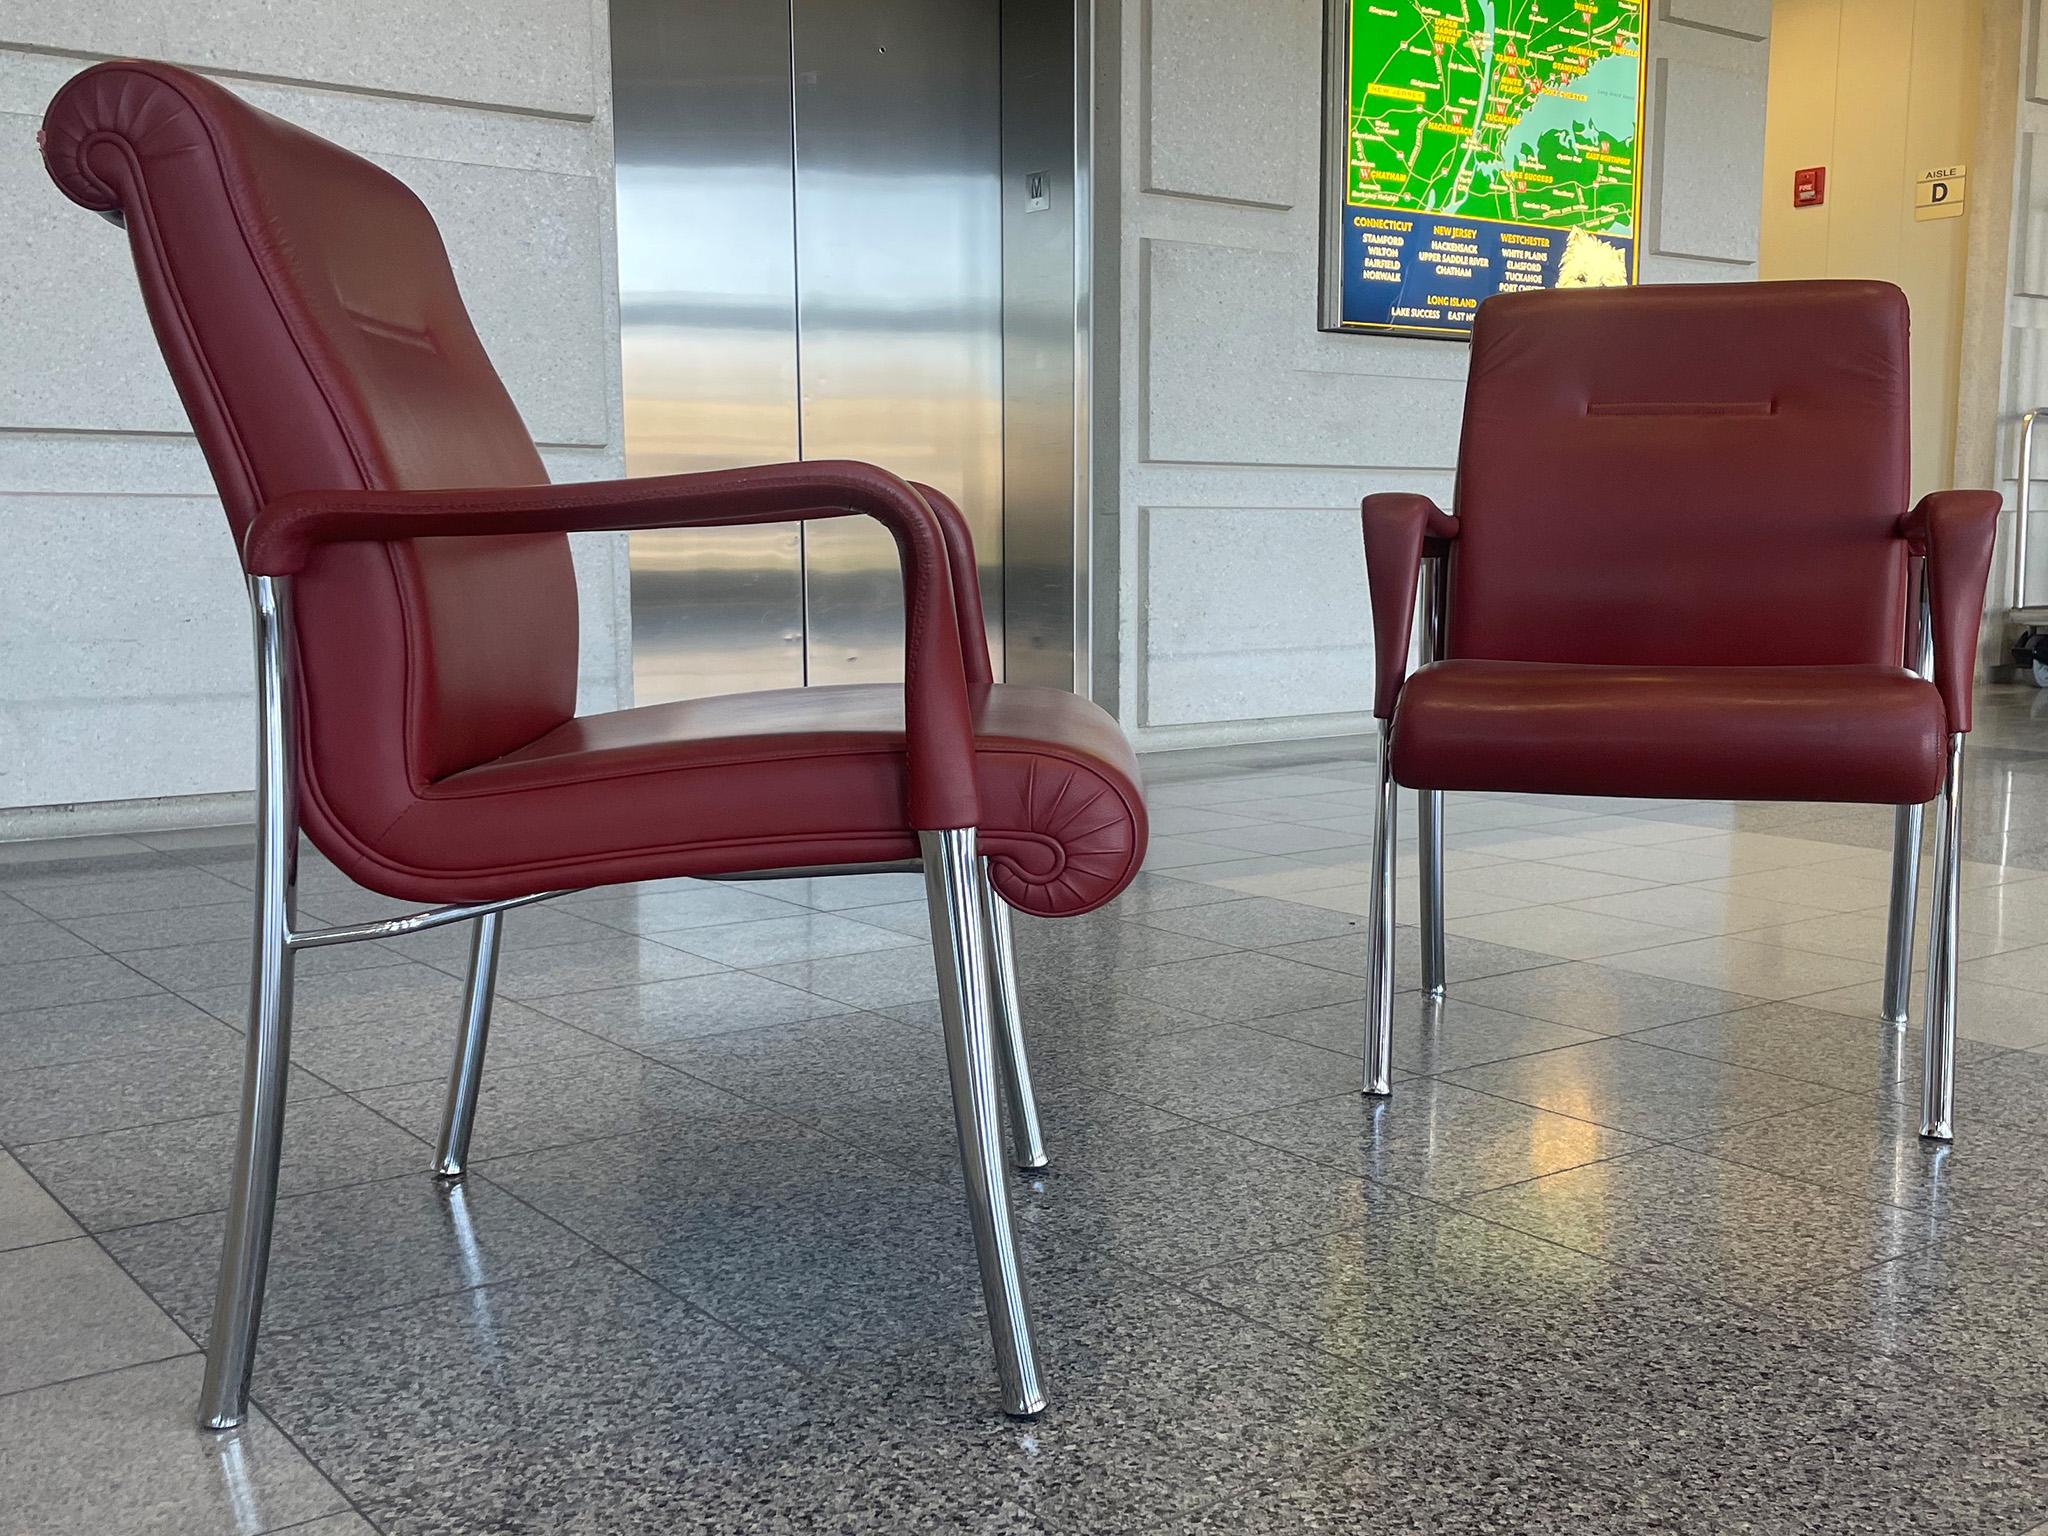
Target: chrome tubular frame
point(464, 1079)
point(1379, 1006)
point(1906, 828)
point(971, 940)
point(1429, 803)
point(1938, 1088)
point(953, 896)
point(1027, 1142)
point(252, 1196)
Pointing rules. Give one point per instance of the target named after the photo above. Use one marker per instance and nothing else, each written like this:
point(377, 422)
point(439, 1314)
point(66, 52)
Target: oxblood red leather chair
point(415, 615)
point(1682, 567)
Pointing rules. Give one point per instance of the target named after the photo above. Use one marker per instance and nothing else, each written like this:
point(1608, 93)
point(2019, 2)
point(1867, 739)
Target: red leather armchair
point(415, 615)
point(1682, 567)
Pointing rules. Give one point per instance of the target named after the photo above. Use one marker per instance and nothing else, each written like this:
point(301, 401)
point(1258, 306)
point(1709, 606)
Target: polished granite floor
point(1645, 1240)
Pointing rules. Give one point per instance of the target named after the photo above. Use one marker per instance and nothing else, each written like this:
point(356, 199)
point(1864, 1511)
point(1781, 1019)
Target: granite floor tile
point(1743, 966)
point(843, 893)
point(684, 905)
point(1807, 885)
point(67, 1310)
point(75, 1032)
point(165, 927)
point(1431, 1299)
point(1140, 1432)
point(858, 1056)
point(671, 1012)
point(1254, 923)
point(1862, 936)
point(876, 979)
point(28, 1215)
point(1812, 1044)
point(399, 1024)
point(802, 936)
point(1211, 1074)
point(1237, 987)
point(1435, 1139)
point(1964, 1307)
point(91, 978)
point(1077, 1124)
point(1533, 881)
point(400, 1404)
point(2005, 1092)
point(81, 1098)
point(796, 1239)
point(1281, 837)
point(38, 939)
point(557, 1103)
point(554, 969)
point(1429, 1037)
point(2003, 1016)
point(2023, 968)
point(118, 1452)
point(526, 928)
point(181, 1168)
point(1163, 893)
point(1264, 1303)
point(1699, 910)
point(1737, 1233)
point(1054, 1004)
point(1599, 998)
point(167, 885)
point(1465, 959)
point(1082, 953)
point(1989, 1180)
point(359, 1248)
point(1665, 1095)
point(1567, 931)
point(220, 969)
point(912, 919)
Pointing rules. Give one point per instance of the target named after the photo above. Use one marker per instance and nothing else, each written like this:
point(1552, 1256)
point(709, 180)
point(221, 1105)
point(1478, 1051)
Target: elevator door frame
point(725, 610)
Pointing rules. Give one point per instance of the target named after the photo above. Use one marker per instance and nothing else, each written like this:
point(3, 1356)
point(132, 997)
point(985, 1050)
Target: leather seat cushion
point(774, 780)
point(1874, 735)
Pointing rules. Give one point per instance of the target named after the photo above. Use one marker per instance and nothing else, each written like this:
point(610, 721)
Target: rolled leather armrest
point(966, 584)
point(938, 723)
point(1955, 532)
point(1400, 529)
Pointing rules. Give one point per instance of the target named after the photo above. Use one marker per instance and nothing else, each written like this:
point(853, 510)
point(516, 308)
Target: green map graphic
point(1519, 110)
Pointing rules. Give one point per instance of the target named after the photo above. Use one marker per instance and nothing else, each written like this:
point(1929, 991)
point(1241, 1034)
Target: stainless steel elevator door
point(707, 320)
point(899, 294)
point(810, 257)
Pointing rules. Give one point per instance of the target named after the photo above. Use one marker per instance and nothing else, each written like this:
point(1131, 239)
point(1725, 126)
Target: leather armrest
point(1400, 528)
point(1955, 532)
point(966, 585)
point(932, 542)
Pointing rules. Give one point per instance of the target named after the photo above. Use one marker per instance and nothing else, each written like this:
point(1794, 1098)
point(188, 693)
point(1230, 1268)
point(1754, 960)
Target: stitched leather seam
point(177, 298)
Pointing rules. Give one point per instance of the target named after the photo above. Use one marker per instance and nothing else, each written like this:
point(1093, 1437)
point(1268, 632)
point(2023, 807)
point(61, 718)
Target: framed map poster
point(1475, 147)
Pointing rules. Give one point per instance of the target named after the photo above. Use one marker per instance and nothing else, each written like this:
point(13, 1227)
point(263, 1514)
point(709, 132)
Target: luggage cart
point(2030, 645)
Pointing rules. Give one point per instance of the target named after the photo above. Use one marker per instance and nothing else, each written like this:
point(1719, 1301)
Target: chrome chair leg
point(451, 1153)
point(951, 879)
point(1379, 1007)
point(1027, 1142)
point(1938, 1088)
point(1898, 939)
point(252, 1196)
point(1429, 825)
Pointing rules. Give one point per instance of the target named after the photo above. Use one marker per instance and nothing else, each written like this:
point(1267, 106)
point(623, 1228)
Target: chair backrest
point(305, 305)
point(1704, 475)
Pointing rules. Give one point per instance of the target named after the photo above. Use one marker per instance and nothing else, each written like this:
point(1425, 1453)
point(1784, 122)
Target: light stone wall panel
point(122, 612)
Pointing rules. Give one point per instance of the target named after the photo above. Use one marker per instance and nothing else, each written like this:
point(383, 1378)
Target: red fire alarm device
point(1810, 187)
